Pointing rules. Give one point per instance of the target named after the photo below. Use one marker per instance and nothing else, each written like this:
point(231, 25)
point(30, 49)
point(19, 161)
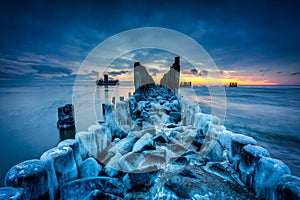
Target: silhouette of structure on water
point(106, 81)
point(233, 84)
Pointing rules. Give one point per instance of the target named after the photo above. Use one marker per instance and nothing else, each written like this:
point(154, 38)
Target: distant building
point(106, 80)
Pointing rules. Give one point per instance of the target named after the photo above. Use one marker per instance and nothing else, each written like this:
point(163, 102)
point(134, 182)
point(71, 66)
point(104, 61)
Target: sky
point(251, 42)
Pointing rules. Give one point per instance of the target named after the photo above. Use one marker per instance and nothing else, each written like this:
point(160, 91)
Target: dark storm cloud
point(263, 71)
point(203, 72)
point(294, 74)
point(51, 70)
point(116, 73)
point(194, 71)
point(239, 36)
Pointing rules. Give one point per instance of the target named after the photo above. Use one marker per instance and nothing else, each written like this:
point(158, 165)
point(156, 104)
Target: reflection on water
point(68, 133)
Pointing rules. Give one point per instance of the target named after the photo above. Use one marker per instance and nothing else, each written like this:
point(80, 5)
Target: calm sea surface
point(29, 114)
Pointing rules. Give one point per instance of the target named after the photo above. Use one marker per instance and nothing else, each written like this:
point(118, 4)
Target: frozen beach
point(29, 115)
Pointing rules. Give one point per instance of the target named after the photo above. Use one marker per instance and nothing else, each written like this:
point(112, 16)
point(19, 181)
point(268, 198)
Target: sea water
point(29, 114)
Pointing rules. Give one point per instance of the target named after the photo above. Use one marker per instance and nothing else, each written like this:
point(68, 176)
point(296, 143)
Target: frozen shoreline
point(254, 169)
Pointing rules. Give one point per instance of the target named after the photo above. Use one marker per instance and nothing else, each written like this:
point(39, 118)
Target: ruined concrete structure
point(170, 79)
point(141, 76)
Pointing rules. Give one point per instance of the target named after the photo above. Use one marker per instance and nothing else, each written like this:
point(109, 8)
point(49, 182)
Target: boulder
point(249, 160)
point(144, 143)
point(11, 193)
point(89, 168)
point(32, 175)
point(238, 141)
point(267, 175)
point(81, 188)
point(288, 187)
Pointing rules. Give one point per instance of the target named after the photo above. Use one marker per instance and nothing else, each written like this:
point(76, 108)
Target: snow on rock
point(97, 194)
point(61, 164)
point(135, 181)
point(32, 175)
point(288, 187)
point(11, 193)
point(267, 175)
point(249, 160)
point(238, 141)
point(74, 144)
point(144, 143)
point(89, 168)
point(81, 188)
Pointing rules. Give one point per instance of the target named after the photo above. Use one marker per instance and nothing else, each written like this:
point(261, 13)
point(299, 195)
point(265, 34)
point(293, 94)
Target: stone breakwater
point(154, 145)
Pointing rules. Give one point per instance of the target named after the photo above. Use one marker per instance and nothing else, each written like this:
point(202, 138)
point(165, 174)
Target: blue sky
point(248, 40)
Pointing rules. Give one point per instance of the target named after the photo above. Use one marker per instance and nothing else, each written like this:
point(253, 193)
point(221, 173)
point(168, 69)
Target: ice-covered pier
point(154, 145)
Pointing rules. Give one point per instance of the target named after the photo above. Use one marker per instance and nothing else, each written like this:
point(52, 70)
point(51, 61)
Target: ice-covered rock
point(153, 160)
point(112, 168)
point(81, 188)
point(249, 160)
point(32, 175)
point(122, 114)
point(136, 181)
point(267, 175)
point(102, 136)
point(130, 162)
point(61, 164)
point(216, 153)
point(288, 188)
point(144, 143)
point(174, 117)
point(161, 137)
point(138, 195)
point(89, 168)
point(225, 139)
point(111, 122)
point(188, 173)
point(97, 194)
point(238, 141)
point(74, 144)
point(177, 188)
point(87, 141)
point(11, 193)
point(163, 193)
point(125, 145)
